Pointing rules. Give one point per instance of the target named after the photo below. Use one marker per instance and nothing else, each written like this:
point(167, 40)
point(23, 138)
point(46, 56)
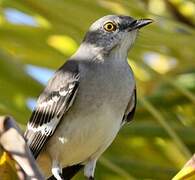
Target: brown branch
point(12, 142)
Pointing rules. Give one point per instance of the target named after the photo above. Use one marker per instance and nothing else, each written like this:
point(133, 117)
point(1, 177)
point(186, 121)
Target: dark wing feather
point(130, 110)
point(52, 104)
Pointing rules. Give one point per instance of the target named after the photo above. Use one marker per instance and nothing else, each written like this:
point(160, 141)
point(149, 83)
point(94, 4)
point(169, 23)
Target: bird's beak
point(188, 171)
point(140, 23)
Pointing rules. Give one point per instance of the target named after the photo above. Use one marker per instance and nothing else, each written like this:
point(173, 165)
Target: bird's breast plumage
point(92, 130)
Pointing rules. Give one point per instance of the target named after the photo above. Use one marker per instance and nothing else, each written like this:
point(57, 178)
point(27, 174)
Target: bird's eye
point(110, 26)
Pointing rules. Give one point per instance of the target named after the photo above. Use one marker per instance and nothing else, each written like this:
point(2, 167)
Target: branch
point(16, 151)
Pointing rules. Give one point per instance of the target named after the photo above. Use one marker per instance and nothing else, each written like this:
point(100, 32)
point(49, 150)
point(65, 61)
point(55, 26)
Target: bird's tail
point(69, 172)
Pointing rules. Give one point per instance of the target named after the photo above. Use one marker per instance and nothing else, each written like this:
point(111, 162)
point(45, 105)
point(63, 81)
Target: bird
point(87, 101)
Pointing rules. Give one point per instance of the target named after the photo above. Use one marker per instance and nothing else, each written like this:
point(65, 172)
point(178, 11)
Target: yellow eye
point(110, 26)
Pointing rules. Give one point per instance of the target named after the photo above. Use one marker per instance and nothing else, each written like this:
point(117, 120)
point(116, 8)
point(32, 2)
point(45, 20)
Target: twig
point(13, 143)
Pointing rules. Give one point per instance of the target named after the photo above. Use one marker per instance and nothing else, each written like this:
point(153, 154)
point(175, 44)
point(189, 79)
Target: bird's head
point(113, 33)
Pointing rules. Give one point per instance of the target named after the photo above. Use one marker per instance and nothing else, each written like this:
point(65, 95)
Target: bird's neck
point(92, 53)
point(118, 55)
point(89, 52)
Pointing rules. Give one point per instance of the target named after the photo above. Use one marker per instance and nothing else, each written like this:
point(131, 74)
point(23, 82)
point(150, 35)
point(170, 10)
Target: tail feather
point(69, 172)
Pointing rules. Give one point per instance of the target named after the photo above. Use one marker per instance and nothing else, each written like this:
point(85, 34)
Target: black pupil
point(109, 26)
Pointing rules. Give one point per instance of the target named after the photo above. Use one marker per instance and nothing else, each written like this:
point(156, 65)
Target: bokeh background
point(37, 36)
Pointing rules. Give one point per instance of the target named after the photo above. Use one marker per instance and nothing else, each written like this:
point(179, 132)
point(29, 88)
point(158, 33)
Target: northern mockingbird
point(87, 101)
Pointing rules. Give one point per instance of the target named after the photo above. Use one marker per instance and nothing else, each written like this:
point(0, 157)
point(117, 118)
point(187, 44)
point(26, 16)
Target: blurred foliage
point(161, 138)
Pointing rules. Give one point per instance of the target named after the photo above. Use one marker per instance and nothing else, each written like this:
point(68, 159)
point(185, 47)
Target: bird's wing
point(130, 110)
point(52, 105)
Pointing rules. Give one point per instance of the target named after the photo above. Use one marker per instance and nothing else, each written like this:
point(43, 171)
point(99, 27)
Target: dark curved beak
point(142, 22)
point(137, 24)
